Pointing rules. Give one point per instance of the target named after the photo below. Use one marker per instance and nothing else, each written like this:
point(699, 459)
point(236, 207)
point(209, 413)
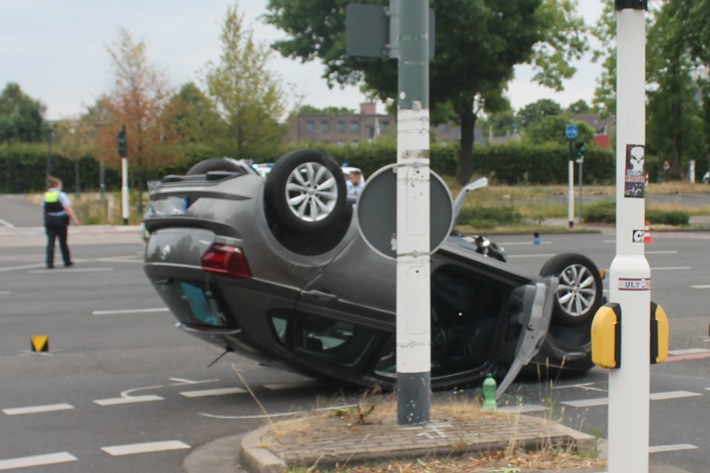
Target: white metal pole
point(630, 274)
point(413, 228)
point(124, 190)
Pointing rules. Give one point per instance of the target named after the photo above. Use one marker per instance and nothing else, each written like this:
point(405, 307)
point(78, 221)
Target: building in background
point(341, 129)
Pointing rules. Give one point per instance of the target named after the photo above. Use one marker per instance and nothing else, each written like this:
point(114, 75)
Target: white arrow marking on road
point(213, 392)
point(129, 311)
point(126, 397)
point(16, 411)
point(37, 460)
point(147, 447)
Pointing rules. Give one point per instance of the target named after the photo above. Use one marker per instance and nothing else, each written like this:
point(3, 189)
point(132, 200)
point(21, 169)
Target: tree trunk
point(465, 167)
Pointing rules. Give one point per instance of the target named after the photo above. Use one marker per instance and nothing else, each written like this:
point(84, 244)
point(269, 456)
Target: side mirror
point(471, 186)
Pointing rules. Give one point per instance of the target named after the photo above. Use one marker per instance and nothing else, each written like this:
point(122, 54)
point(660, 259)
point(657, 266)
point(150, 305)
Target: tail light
point(225, 260)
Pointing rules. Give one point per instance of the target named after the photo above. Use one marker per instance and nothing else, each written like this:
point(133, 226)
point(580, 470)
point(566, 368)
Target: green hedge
point(22, 166)
point(605, 212)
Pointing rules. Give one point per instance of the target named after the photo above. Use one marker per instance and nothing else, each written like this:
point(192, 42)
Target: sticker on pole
point(635, 176)
point(638, 236)
point(634, 284)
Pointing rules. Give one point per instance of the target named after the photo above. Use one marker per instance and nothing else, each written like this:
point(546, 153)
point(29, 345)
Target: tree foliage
point(247, 96)
point(538, 110)
point(478, 43)
point(21, 117)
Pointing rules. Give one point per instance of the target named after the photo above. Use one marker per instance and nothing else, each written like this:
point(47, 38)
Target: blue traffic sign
point(571, 132)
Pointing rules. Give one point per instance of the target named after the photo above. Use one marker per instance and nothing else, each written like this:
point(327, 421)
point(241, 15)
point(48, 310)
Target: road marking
point(688, 351)
point(603, 401)
point(673, 395)
point(117, 401)
point(4, 293)
point(129, 311)
point(183, 381)
point(704, 286)
point(661, 252)
point(541, 255)
point(147, 447)
point(213, 392)
point(17, 268)
point(670, 268)
point(671, 448)
point(517, 243)
point(37, 460)
point(16, 411)
point(278, 414)
point(74, 269)
point(5, 223)
point(584, 386)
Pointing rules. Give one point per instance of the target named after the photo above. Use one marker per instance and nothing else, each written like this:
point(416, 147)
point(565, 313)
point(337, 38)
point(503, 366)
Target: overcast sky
point(56, 50)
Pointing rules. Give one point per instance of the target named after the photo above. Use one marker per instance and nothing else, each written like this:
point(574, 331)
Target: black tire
point(215, 164)
point(580, 292)
point(305, 191)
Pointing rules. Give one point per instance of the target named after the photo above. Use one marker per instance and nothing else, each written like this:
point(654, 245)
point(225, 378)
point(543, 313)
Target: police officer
point(57, 214)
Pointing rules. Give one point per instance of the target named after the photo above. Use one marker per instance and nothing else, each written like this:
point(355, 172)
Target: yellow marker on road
point(40, 343)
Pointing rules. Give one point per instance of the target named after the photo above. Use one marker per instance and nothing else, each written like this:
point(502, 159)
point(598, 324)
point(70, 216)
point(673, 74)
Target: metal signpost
point(630, 274)
point(571, 133)
point(408, 39)
point(123, 152)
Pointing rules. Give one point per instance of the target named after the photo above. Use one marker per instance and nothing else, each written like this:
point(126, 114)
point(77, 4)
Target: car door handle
point(321, 296)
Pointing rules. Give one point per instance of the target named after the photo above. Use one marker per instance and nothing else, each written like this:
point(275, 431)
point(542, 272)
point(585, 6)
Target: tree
point(75, 139)
point(536, 111)
point(194, 116)
point(247, 96)
point(138, 101)
point(21, 117)
point(476, 51)
point(580, 106)
point(674, 123)
point(551, 129)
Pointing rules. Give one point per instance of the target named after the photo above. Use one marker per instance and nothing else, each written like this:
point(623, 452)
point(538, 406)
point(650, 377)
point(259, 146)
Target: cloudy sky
point(56, 50)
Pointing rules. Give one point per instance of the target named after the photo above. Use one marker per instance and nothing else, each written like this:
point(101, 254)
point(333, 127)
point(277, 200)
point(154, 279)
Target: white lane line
point(671, 448)
point(117, 401)
point(37, 460)
point(603, 401)
point(17, 268)
point(688, 351)
point(4, 293)
point(517, 243)
point(661, 252)
point(670, 268)
point(213, 392)
point(73, 270)
point(539, 255)
point(5, 223)
point(183, 381)
point(673, 395)
point(584, 386)
point(147, 447)
point(16, 411)
point(704, 286)
point(129, 311)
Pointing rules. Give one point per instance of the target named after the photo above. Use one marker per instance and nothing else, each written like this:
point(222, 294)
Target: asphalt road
point(121, 390)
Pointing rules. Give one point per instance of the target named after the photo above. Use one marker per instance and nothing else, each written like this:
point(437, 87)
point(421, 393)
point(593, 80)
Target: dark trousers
point(56, 227)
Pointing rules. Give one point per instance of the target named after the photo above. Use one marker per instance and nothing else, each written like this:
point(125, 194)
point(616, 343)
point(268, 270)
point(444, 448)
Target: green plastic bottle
point(489, 393)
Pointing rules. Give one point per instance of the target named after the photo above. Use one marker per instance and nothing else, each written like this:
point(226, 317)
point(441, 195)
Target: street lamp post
point(50, 132)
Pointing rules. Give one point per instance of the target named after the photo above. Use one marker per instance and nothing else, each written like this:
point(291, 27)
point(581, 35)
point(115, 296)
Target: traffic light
point(122, 142)
point(580, 149)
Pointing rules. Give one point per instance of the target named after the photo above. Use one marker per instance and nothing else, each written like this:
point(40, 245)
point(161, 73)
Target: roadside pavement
point(78, 235)
point(332, 443)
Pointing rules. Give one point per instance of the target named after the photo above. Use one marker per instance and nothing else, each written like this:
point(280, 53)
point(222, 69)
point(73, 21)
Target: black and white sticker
point(637, 236)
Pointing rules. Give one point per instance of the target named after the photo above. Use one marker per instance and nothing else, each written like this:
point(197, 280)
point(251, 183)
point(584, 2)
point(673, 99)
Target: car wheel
point(215, 164)
point(579, 293)
point(306, 191)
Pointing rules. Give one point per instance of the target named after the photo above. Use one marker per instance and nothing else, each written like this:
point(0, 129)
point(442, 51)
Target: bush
point(605, 212)
point(489, 217)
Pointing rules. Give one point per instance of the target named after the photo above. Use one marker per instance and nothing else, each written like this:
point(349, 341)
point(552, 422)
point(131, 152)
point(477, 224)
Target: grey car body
point(319, 301)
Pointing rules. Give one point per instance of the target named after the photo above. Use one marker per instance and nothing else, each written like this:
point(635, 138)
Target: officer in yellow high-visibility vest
point(57, 214)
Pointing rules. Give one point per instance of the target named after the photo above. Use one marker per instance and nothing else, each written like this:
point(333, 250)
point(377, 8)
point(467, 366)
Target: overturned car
point(275, 269)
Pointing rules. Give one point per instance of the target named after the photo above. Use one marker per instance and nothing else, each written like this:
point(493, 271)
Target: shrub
point(489, 217)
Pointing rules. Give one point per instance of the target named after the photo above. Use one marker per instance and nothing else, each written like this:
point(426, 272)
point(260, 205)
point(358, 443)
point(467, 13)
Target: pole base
point(413, 398)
